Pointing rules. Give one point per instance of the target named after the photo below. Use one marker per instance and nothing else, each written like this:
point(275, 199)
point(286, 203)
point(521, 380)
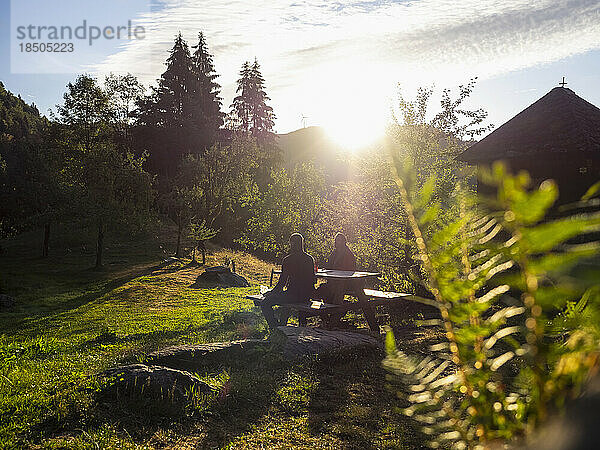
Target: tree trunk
point(99, 246)
point(46, 240)
point(179, 231)
point(203, 250)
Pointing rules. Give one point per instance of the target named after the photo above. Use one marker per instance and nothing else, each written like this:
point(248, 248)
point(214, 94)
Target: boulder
point(186, 356)
point(6, 301)
point(300, 341)
point(221, 276)
point(155, 381)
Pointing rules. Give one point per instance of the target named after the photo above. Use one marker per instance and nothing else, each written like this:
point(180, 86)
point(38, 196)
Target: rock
point(7, 302)
point(185, 356)
point(221, 276)
point(155, 381)
point(300, 341)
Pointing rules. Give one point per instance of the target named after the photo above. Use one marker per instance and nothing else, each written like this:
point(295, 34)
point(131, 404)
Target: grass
point(71, 323)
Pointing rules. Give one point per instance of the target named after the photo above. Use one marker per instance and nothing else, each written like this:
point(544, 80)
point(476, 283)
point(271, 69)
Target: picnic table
point(367, 299)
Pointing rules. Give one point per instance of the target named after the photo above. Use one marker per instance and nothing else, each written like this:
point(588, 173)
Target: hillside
point(312, 144)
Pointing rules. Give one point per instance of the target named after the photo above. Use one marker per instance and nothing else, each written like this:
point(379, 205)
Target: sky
point(336, 64)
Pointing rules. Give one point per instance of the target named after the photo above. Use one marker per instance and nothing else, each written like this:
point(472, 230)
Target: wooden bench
point(319, 308)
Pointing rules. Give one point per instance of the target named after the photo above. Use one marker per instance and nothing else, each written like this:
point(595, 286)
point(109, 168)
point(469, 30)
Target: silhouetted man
point(297, 276)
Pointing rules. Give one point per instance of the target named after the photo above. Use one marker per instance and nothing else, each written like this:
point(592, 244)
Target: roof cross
point(563, 83)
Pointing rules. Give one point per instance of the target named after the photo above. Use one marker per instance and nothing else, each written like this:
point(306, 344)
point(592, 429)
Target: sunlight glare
point(355, 110)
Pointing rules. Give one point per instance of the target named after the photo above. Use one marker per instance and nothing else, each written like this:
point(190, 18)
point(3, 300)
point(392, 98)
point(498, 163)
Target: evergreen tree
point(206, 102)
point(263, 118)
point(241, 110)
point(250, 112)
point(164, 116)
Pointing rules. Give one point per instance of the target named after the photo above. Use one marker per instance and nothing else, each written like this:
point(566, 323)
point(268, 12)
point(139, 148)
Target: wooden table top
point(341, 274)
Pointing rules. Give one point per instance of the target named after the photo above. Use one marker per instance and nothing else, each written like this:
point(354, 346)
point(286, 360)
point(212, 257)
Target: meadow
point(72, 322)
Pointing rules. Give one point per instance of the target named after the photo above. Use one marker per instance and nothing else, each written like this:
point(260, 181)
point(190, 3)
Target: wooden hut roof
point(559, 123)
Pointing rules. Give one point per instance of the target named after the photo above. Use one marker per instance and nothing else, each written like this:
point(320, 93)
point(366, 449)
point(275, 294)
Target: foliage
point(18, 120)
point(498, 278)
point(85, 112)
point(111, 188)
point(115, 192)
point(292, 202)
point(430, 144)
point(123, 92)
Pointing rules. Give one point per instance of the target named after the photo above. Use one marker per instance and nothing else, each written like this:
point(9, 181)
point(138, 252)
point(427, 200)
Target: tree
point(116, 192)
point(124, 92)
point(32, 190)
point(292, 202)
point(429, 146)
point(112, 188)
point(200, 233)
point(164, 116)
point(206, 102)
point(18, 120)
point(249, 110)
point(86, 112)
point(181, 200)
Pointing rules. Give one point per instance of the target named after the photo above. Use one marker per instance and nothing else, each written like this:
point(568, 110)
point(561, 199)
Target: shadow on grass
point(35, 316)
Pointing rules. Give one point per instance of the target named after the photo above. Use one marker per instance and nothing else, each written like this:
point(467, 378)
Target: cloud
point(308, 46)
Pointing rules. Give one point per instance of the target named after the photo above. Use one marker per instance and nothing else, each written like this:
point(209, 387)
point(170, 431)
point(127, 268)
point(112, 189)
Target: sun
point(355, 130)
point(354, 110)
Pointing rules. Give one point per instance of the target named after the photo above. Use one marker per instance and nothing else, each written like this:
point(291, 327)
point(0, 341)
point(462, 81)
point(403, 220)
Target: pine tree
point(206, 102)
point(164, 116)
point(263, 118)
point(250, 111)
point(174, 84)
point(241, 110)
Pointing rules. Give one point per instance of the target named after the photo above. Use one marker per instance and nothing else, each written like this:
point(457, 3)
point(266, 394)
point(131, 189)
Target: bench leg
point(302, 319)
point(284, 315)
point(368, 311)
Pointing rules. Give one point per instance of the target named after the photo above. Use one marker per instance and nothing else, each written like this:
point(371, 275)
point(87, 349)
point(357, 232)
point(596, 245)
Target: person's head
point(340, 241)
point(296, 243)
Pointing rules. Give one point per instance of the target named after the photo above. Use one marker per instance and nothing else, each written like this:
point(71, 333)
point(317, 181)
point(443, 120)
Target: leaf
point(592, 191)
point(561, 262)
point(390, 342)
point(430, 214)
point(501, 360)
point(425, 194)
point(547, 236)
point(531, 207)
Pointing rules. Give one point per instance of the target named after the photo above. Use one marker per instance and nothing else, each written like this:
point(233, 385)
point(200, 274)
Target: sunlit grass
point(71, 323)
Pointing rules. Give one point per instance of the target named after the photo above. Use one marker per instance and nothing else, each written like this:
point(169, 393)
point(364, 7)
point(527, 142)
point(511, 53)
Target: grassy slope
point(72, 322)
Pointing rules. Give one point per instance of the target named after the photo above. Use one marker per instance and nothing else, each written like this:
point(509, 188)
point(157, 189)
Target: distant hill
point(307, 144)
point(312, 144)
